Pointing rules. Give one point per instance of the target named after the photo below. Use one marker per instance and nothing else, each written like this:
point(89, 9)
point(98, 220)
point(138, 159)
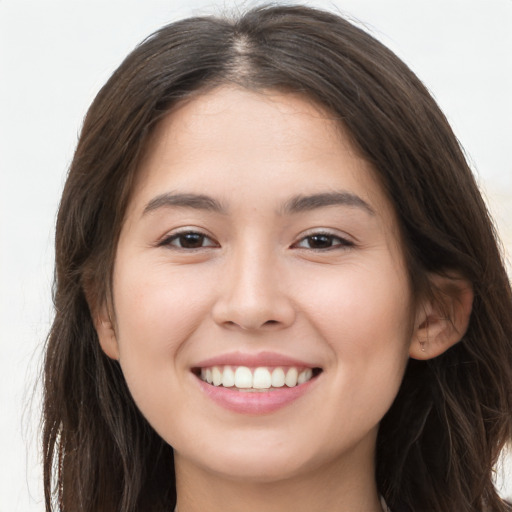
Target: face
point(262, 305)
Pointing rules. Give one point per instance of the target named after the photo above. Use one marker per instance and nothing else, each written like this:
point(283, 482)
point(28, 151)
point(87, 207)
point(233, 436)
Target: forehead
point(230, 140)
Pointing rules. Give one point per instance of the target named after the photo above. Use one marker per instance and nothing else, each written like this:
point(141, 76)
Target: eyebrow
point(195, 201)
point(303, 203)
point(296, 204)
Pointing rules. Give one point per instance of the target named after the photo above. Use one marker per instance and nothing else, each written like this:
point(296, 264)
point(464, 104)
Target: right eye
point(188, 240)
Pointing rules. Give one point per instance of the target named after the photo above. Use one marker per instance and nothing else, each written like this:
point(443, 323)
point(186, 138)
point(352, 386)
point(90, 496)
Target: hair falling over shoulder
point(440, 440)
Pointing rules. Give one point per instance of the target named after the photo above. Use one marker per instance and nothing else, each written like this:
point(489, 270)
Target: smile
point(261, 378)
point(259, 383)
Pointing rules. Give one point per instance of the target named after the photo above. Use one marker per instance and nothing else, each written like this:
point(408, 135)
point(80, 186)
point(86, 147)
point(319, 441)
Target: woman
point(277, 285)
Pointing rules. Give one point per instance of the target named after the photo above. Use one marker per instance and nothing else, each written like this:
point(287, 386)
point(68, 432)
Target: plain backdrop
point(55, 55)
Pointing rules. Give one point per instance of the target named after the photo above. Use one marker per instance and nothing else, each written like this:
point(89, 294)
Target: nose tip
point(253, 301)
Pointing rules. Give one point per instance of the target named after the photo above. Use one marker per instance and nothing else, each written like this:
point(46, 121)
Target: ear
point(443, 318)
point(105, 328)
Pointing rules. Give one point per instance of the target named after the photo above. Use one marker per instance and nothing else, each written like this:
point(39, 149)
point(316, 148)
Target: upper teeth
point(256, 378)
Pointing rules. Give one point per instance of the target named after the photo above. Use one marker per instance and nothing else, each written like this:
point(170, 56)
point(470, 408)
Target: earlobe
point(105, 328)
point(443, 319)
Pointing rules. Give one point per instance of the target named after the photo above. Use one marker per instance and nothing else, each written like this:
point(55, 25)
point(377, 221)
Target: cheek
point(157, 309)
point(157, 306)
point(356, 303)
point(364, 317)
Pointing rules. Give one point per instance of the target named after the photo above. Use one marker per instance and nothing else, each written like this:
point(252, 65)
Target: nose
point(251, 295)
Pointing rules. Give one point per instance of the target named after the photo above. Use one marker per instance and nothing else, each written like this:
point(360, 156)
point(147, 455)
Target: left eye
point(320, 241)
point(188, 240)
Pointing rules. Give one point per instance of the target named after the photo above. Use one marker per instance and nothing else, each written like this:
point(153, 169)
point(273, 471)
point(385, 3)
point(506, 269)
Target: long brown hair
point(453, 414)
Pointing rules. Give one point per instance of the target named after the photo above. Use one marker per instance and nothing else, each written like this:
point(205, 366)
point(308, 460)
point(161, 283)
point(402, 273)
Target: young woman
point(277, 285)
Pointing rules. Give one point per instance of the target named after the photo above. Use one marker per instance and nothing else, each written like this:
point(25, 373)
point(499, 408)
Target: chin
point(263, 460)
point(259, 471)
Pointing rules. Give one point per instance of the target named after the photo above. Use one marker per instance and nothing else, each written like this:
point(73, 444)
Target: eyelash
point(168, 240)
point(335, 241)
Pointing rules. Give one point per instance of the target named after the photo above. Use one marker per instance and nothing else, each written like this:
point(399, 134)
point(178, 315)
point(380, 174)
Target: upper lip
point(253, 360)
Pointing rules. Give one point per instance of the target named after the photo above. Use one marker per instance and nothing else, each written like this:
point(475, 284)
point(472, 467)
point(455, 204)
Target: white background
point(54, 56)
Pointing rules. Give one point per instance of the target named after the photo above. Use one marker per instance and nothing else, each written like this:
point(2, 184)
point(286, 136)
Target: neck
point(337, 487)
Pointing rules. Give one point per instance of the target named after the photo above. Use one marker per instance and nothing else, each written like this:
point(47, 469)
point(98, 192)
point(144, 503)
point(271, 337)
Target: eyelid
point(166, 240)
point(347, 241)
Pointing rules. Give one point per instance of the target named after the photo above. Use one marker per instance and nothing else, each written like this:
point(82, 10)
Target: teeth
point(260, 378)
point(278, 378)
point(304, 376)
point(228, 377)
point(291, 377)
point(216, 376)
point(243, 377)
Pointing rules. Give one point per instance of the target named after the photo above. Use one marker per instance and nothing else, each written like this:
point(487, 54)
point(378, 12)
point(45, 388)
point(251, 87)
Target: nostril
point(248, 326)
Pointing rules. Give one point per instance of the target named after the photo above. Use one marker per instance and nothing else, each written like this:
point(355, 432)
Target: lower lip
point(246, 402)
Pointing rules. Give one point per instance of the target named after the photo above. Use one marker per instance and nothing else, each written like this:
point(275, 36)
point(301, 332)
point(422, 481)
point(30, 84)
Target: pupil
point(320, 241)
point(191, 240)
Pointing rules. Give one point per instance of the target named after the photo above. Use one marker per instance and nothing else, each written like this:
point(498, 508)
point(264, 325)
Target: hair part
point(441, 438)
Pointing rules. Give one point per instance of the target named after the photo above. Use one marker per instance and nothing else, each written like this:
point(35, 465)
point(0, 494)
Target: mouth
point(256, 379)
point(255, 384)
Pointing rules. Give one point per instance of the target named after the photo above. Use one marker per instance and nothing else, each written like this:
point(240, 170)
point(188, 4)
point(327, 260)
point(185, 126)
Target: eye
point(188, 240)
point(322, 241)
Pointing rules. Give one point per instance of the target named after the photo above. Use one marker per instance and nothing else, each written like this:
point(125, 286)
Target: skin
point(257, 285)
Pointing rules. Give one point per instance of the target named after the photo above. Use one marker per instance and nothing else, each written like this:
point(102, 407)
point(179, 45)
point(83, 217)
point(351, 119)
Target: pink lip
point(244, 402)
point(254, 402)
point(253, 360)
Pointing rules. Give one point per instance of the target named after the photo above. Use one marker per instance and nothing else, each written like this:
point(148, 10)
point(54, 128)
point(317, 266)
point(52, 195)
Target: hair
point(440, 440)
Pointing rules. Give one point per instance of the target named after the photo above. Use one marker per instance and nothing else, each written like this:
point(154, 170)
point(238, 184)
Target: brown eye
point(188, 240)
point(321, 241)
